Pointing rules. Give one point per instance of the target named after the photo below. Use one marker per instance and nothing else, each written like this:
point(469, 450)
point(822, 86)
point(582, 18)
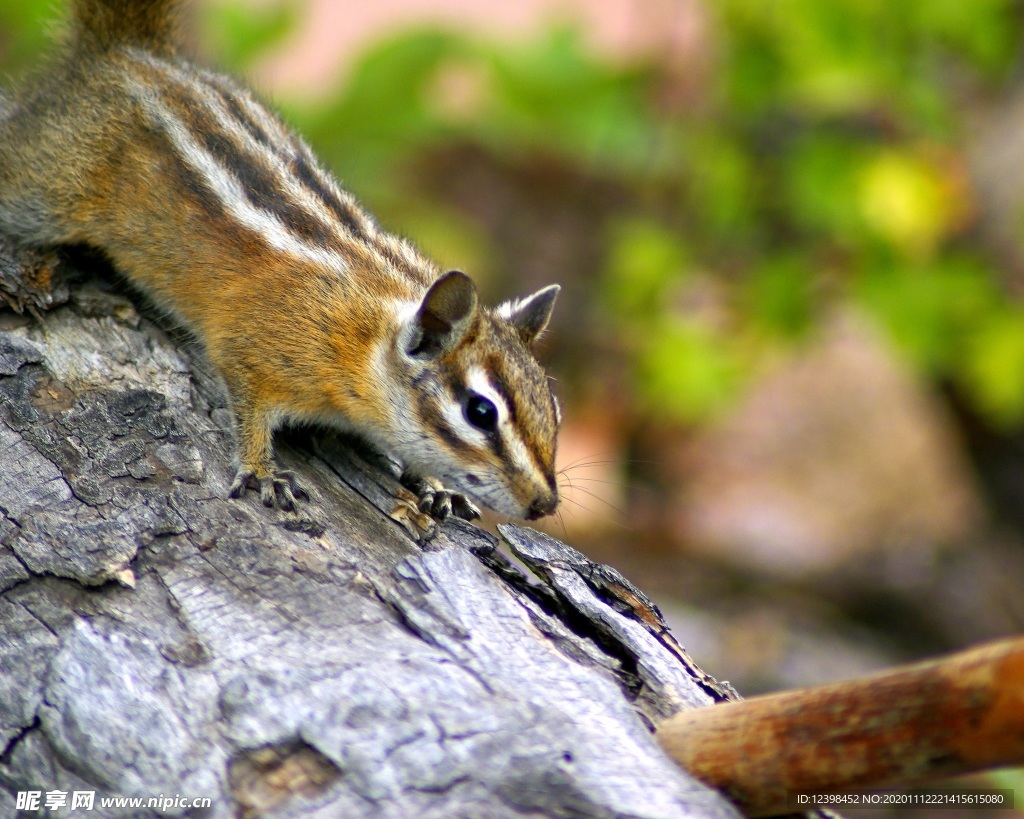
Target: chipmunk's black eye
point(481, 413)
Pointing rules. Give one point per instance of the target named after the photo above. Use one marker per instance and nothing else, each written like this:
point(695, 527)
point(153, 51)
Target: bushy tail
point(102, 24)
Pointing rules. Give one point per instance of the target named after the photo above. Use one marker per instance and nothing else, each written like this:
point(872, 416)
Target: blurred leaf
point(447, 236)
point(552, 96)
point(382, 117)
point(848, 57)
point(688, 371)
point(986, 31)
point(905, 200)
point(722, 177)
point(820, 177)
point(239, 33)
point(25, 28)
point(1008, 778)
point(644, 258)
point(780, 295)
point(930, 310)
point(993, 367)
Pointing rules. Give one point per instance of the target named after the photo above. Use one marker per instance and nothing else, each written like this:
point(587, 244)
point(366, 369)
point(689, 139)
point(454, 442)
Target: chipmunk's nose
point(543, 504)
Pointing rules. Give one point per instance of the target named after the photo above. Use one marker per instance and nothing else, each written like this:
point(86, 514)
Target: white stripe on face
point(452, 410)
point(516, 452)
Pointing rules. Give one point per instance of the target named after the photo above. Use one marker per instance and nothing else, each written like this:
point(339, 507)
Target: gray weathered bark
point(157, 638)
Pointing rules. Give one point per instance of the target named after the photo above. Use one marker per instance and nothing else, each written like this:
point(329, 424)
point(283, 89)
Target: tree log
point(945, 717)
point(158, 638)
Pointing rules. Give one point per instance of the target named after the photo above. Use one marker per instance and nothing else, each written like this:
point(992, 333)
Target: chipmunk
point(311, 313)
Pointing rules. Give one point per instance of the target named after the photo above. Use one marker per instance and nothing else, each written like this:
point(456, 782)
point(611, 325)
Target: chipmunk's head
point(483, 417)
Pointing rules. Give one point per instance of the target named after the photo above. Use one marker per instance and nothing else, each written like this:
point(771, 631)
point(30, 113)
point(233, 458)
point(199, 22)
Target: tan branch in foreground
point(939, 718)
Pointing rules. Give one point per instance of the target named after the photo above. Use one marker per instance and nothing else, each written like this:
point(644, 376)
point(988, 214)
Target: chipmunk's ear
point(530, 316)
point(447, 312)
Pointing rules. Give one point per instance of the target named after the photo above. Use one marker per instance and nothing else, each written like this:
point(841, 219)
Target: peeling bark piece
point(26, 644)
point(15, 352)
point(624, 618)
point(89, 551)
point(133, 723)
point(12, 570)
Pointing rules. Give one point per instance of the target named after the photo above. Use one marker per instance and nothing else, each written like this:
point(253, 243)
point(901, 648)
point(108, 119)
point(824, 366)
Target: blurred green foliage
point(25, 29)
point(818, 169)
point(238, 35)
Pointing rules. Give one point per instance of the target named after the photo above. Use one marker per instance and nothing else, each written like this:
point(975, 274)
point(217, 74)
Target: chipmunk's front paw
point(277, 488)
point(438, 502)
point(463, 507)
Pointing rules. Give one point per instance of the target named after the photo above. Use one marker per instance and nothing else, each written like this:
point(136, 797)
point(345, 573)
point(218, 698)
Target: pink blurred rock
point(838, 452)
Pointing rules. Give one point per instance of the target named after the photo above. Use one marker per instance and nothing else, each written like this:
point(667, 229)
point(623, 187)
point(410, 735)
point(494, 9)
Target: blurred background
point(790, 236)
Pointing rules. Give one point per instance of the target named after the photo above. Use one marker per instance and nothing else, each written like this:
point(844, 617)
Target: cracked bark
point(158, 638)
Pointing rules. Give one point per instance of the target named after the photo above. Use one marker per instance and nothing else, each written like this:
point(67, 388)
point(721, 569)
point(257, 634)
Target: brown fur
point(99, 25)
point(86, 158)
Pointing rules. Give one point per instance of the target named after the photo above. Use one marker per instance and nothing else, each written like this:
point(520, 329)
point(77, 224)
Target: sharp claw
point(267, 493)
point(243, 480)
point(291, 487)
point(442, 506)
point(434, 500)
point(285, 498)
point(426, 502)
point(279, 489)
point(421, 527)
point(463, 507)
